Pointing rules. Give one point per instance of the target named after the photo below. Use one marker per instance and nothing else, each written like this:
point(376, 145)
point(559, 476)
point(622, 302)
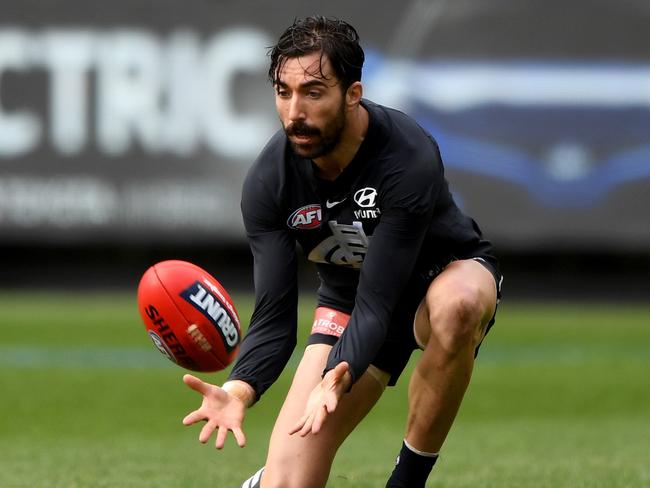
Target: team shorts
point(330, 320)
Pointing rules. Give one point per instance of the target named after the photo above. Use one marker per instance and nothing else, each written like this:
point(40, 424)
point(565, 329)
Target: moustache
point(301, 129)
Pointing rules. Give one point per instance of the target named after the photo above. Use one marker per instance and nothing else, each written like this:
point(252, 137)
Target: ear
point(354, 94)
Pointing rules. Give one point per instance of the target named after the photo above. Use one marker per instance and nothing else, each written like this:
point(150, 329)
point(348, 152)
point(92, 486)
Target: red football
point(190, 318)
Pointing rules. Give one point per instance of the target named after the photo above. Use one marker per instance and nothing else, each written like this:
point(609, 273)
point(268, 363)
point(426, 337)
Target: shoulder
point(406, 143)
point(400, 128)
point(269, 164)
point(264, 184)
point(409, 160)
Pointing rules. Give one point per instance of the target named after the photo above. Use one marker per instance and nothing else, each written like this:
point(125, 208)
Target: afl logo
point(366, 197)
point(307, 217)
point(161, 346)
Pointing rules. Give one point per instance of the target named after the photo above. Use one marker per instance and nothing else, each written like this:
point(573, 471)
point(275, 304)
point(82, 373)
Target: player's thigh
point(463, 295)
point(305, 461)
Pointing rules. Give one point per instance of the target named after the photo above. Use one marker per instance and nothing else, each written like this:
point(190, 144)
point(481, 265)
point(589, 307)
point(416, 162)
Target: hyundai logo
point(366, 197)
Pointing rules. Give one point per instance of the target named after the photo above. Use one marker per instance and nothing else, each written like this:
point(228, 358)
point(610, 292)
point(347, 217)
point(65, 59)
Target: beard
point(324, 140)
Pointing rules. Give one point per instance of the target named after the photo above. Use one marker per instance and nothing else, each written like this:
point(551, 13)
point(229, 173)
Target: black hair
point(333, 38)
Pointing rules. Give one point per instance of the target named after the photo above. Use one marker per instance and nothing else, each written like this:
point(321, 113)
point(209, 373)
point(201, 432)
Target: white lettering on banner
point(68, 58)
point(182, 129)
point(170, 94)
point(20, 130)
point(227, 54)
point(58, 202)
point(129, 89)
point(61, 203)
point(180, 205)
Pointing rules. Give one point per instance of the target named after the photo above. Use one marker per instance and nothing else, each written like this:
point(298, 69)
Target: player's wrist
point(241, 390)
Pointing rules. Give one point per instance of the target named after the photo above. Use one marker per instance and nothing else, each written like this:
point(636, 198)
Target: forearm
point(386, 271)
point(271, 335)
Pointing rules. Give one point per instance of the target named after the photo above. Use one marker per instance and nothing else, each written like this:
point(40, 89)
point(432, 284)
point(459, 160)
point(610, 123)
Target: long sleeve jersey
point(388, 215)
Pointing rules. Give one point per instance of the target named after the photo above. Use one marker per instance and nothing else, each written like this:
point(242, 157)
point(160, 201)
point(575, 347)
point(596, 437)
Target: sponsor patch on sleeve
point(329, 321)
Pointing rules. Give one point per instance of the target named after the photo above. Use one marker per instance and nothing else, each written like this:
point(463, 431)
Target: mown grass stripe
point(84, 357)
point(144, 357)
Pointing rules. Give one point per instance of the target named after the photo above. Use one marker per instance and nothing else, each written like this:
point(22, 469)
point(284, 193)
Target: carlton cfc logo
point(307, 217)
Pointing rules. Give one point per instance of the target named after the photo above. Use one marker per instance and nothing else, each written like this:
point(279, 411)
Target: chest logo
point(305, 218)
point(366, 197)
point(329, 204)
point(347, 246)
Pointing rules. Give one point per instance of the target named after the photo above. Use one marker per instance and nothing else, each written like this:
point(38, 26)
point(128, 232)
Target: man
point(361, 188)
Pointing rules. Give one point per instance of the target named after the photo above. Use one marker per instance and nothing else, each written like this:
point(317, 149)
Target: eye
point(314, 94)
point(283, 93)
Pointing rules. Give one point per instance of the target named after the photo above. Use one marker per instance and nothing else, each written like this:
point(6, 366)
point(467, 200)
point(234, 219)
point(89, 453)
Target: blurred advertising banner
point(134, 122)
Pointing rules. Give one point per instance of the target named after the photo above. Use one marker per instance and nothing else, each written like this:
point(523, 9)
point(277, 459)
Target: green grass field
point(560, 398)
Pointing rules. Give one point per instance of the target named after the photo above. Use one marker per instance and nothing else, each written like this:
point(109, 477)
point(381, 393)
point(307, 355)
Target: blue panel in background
point(566, 133)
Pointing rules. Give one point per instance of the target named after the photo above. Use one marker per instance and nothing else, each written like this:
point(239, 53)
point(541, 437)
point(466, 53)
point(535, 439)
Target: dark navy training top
point(388, 215)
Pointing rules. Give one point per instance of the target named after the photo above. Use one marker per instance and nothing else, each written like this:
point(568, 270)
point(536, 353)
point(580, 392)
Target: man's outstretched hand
point(323, 400)
point(221, 410)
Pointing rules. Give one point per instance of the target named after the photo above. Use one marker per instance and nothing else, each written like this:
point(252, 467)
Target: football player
point(361, 188)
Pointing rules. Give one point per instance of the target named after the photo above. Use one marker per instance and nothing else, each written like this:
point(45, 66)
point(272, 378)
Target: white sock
point(254, 480)
point(420, 453)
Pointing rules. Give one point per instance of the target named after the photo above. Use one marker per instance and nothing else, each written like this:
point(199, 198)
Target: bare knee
point(456, 317)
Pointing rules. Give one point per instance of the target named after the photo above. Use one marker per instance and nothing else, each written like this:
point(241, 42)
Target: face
point(311, 106)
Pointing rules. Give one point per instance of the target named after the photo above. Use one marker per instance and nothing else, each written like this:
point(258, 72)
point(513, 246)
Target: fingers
point(239, 437)
point(311, 423)
point(331, 402)
point(193, 417)
point(315, 421)
point(196, 384)
point(210, 427)
point(307, 426)
point(341, 376)
point(319, 419)
point(222, 433)
point(298, 425)
point(219, 410)
point(322, 401)
point(207, 431)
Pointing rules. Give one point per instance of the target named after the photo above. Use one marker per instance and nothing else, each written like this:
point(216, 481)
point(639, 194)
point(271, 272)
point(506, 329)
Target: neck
point(336, 161)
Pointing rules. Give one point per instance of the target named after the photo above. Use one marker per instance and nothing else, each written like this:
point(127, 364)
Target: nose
point(296, 111)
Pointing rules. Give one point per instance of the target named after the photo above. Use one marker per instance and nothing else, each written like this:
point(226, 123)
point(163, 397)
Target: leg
point(305, 462)
point(450, 323)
